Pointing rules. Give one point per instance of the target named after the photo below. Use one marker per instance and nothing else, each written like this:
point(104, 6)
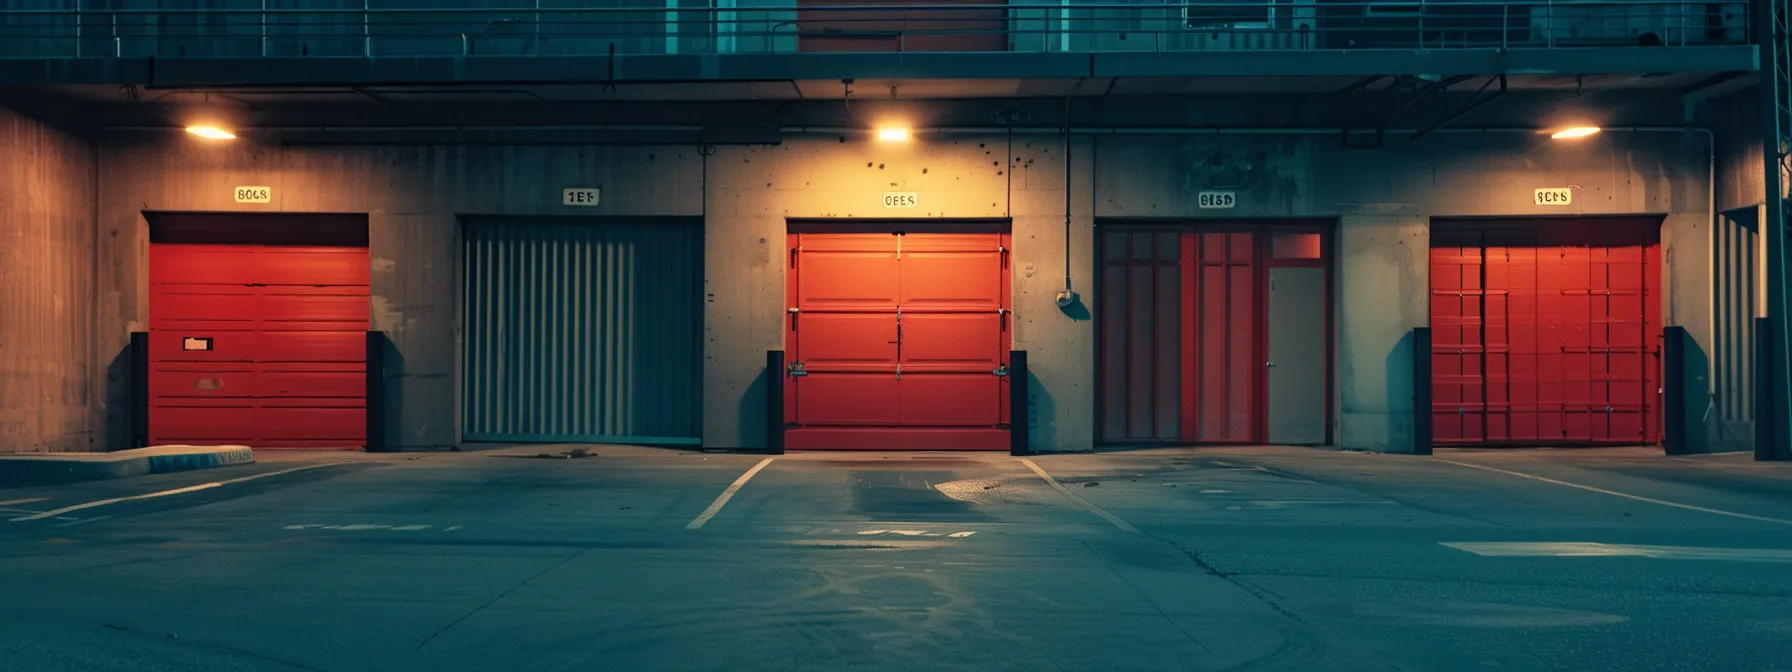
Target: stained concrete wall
point(1382, 199)
point(414, 197)
point(1736, 119)
point(753, 191)
point(47, 368)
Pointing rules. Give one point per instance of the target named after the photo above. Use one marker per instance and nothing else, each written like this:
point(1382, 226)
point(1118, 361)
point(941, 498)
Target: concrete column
point(415, 294)
point(1383, 292)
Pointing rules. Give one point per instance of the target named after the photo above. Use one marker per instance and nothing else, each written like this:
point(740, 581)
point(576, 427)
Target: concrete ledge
point(22, 469)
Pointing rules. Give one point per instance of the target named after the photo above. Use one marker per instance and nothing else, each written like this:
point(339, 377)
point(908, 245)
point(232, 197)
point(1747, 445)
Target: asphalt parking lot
point(646, 559)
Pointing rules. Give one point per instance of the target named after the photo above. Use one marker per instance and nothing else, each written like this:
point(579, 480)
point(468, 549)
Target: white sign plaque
point(254, 195)
point(1556, 196)
point(901, 199)
point(1216, 200)
point(583, 196)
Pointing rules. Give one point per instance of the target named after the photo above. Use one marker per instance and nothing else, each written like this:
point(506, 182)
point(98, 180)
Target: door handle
point(1269, 364)
point(1001, 370)
point(795, 370)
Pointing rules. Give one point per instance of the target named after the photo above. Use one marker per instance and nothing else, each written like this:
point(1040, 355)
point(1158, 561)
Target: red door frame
point(1262, 259)
point(1644, 230)
point(896, 437)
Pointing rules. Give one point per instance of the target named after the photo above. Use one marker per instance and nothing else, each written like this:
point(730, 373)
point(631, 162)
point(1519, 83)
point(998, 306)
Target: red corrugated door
point(1223, 337)
point(1141, 332)
point(259, 345)
point(897, 341)
point(1545, 332)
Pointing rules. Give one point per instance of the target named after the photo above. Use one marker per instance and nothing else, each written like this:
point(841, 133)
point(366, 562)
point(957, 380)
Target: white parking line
point(11, 502)
point(728, 494)
point(1593, 549)
point(177, 491)
point(1079, 501)
point(1625, 495)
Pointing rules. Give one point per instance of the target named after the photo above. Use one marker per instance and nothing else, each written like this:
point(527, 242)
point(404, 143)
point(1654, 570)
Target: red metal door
point(1545, 333)
point(1142, 335)
point(897, 340)
point(258, 345)
point(1223, 348)
point(1183, 329)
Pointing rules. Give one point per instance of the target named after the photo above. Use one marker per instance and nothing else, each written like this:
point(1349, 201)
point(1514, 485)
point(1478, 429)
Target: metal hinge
point(1001, 370)
point(795, 370)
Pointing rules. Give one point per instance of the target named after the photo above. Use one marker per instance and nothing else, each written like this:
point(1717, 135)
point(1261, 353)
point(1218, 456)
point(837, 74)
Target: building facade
point(1337, 227)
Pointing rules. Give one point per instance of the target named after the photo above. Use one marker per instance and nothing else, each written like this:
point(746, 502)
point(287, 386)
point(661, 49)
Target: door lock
point(1001, 370)
point(795, 370)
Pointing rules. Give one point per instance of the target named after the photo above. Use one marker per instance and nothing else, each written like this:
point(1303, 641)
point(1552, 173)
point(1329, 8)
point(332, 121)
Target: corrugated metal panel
point(1738, 283)
point(582, 330)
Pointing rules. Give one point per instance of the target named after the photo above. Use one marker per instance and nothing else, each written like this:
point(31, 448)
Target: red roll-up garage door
point(898, 338)
point(1546, 332)
point(258, 343)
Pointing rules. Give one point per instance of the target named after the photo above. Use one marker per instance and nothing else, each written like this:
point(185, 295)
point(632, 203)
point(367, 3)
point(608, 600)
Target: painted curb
point(30, 471)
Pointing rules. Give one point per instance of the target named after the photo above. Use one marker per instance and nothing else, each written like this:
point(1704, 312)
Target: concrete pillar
point(1383, 266)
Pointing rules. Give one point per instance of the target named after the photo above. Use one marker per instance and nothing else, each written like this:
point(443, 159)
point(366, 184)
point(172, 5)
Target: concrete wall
point(1382, 199)
point(47, 368)
point(414, 196)
point(1736, 119)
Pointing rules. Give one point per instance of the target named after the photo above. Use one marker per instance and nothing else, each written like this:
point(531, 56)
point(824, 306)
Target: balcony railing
point(277, 28)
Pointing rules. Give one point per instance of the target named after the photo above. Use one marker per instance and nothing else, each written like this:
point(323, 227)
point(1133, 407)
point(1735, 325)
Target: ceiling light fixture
point(211, 132)
point(1574, 132)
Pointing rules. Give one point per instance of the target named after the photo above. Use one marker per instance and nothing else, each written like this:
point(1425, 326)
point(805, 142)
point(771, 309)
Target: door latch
point(795, 370)
point(1001, 370)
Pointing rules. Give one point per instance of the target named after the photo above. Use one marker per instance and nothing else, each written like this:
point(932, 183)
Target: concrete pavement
point(1187, 559)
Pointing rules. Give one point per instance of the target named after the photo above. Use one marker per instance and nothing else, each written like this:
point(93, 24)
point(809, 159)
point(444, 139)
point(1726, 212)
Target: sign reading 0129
point(254, 195)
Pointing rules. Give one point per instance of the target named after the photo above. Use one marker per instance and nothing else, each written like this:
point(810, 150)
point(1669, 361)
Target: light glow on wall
point(893, 133)
point(211, 132)
point(1574, 132)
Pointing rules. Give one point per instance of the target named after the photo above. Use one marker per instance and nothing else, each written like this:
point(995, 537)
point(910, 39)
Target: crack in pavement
point(500, 596)
point(1160, 610)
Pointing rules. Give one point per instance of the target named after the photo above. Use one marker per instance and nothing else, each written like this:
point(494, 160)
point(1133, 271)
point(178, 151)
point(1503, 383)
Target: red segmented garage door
point(897, 340)
point(262, 345)
point(1546, 332)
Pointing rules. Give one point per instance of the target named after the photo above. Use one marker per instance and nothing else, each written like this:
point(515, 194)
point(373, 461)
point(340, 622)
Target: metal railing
point(253, 28)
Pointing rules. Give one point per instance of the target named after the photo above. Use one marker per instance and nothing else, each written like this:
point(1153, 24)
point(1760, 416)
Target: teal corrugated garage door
point(582, 330)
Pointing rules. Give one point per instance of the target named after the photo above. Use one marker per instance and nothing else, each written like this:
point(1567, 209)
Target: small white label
point(901, 199)
point(254, 195)
point(584, 197)
point(1558, 196)
point(1216, 200)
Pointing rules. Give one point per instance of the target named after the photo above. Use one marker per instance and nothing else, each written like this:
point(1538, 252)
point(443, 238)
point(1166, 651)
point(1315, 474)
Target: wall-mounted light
point(893, 133)
point(1574, 132)
point(211, 132)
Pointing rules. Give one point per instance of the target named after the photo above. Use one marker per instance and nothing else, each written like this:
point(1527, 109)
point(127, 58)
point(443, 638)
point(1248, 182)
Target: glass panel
point(1295, 246)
